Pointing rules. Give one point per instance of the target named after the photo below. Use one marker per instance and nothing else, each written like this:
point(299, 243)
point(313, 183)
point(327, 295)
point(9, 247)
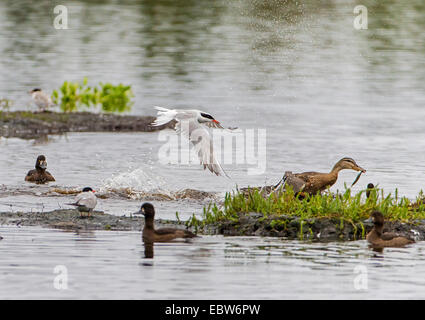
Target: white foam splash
point(139, 180)
point(145, 183)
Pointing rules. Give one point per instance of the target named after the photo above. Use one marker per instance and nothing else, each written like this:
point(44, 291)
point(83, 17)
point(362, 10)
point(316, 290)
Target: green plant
point(5, 104)
point(115, 98)
point(345, 207)
point(73, 96)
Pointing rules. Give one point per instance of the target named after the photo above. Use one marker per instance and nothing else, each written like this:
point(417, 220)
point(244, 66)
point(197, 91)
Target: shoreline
point(69, 219)
point(316, 229)
point(34, 125)
point(251, 224)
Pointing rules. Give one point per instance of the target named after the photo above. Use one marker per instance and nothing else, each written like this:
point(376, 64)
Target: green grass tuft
point(346, 207)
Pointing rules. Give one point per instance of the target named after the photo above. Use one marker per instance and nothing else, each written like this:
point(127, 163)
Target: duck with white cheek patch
point(40, 175)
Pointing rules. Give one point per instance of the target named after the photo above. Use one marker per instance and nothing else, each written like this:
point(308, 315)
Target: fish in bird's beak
point(358, 168)
point(216, 124)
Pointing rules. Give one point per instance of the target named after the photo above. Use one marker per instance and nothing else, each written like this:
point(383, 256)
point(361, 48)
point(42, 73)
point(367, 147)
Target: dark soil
point(325, 229)
point(71, 220)
point(252, 224)
point(34, 125)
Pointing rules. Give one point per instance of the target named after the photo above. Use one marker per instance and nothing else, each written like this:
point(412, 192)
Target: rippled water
point(320, 88)
point(112, 265)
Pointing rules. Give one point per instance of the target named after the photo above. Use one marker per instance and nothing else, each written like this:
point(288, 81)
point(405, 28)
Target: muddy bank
point(71, 220)
point(128, 193)
point(119, 193)
point(34, 125)
point(252, 224)
point(324, 229)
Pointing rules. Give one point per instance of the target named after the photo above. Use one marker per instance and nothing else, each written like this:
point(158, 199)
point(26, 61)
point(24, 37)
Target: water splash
point(143, 183)
point(140, 179)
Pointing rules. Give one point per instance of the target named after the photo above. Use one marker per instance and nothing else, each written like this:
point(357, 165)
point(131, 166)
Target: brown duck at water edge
point(378, 239)
point(313, 182)
point(40, 175)
point(150, 234)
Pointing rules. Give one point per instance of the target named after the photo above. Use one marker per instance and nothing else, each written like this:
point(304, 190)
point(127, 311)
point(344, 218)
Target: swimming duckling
point(85, 201)
point(39, 175)
point(378, 239)
point(41, 99)
point(313, 182)
point(150, 234)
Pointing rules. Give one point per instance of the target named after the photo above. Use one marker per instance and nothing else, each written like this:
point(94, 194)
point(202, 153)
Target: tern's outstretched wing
point(164, 116)
point(201, 139)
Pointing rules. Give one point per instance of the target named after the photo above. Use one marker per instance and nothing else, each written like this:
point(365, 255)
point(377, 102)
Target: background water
point(111, 265)
point(321, 89)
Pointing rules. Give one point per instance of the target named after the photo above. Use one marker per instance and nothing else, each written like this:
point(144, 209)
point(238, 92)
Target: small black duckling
point(378, 239)
point(150, 234)
point(85, 201)
point(39, 175)
point(369, 189)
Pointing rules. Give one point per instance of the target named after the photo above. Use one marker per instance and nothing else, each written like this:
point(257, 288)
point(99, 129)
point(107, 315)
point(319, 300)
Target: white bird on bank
point(191, 124)
point(41, 99)
point(85, 201)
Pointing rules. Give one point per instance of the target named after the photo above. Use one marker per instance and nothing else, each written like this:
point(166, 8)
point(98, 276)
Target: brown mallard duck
point(313, 182)
point(378, 239)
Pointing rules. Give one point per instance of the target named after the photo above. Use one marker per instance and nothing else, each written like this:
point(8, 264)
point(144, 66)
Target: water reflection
point(207, 267)
point(376, 249)
point(148, 249)
point(321, 88)
point(168, 49)
point(173, 34)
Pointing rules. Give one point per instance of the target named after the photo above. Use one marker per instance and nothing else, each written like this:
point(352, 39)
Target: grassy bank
point(344, 214)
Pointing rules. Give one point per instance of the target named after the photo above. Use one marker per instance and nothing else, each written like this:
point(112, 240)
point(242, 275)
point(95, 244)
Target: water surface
point(112, 265)
point(320, 88)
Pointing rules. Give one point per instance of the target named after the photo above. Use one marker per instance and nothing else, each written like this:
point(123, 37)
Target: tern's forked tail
point(164, 116)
